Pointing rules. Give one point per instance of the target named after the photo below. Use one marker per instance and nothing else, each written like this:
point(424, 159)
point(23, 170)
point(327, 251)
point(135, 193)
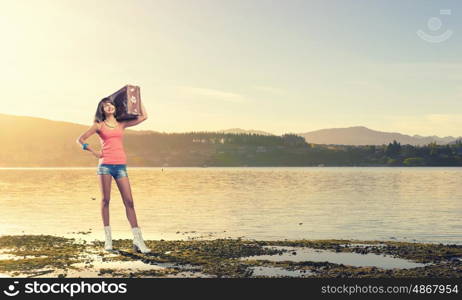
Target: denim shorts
point(116, 171)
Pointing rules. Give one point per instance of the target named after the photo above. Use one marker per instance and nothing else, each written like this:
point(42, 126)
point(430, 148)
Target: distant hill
point(458, 140)
point(31, 141)
point(360, 135)
point(38, 142)
point(250, 131)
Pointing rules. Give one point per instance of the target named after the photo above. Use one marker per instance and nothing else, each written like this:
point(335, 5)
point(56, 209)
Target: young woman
point(112, 163)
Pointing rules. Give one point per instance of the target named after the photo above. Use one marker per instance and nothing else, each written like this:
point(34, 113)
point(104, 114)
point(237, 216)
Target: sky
point(279, 66)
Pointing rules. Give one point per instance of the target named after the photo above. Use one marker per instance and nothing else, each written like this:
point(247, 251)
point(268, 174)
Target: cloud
point(429, 70)
point(364, 84)
point(270, 89)
point(429, 124)
point(212, 94)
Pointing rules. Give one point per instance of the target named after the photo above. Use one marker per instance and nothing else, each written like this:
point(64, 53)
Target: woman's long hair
point(100, 116)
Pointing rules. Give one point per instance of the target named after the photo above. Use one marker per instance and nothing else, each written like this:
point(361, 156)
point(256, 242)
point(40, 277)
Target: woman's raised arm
point(142, 117)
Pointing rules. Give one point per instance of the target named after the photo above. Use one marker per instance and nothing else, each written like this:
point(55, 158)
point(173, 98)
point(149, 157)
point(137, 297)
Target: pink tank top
point(112, 145)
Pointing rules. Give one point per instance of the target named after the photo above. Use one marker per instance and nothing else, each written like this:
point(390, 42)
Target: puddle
point(93, 263)
point(363, 245)
point(97, 263)
point(278, 272)
point(125, 265)
point(9, 256)
point(346, 258)
point(187, 274)
point(16, 257)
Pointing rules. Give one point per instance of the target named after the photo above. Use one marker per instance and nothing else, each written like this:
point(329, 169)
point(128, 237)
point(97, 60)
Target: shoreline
point(229, 167)
point(54, 256)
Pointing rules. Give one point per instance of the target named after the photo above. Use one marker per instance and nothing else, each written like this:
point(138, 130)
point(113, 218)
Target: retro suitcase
point(128, 102)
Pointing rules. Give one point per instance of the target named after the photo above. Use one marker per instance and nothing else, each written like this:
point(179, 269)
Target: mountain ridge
point(361, 135)
point(354, 135)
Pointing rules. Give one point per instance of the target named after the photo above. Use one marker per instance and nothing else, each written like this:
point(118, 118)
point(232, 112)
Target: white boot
point(108, 241)
point(138, 243)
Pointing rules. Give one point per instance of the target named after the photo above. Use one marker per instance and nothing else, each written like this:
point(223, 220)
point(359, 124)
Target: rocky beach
point(54, 256)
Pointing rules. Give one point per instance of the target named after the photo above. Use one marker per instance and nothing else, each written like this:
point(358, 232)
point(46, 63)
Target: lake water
point(404, 204)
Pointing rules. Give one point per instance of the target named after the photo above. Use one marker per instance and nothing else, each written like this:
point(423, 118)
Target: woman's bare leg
point(125, 191)
point(105, 186)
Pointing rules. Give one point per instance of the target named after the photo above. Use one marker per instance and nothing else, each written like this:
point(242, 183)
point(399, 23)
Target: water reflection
point(298, 254)
point(409, 204)
point(278, 272)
